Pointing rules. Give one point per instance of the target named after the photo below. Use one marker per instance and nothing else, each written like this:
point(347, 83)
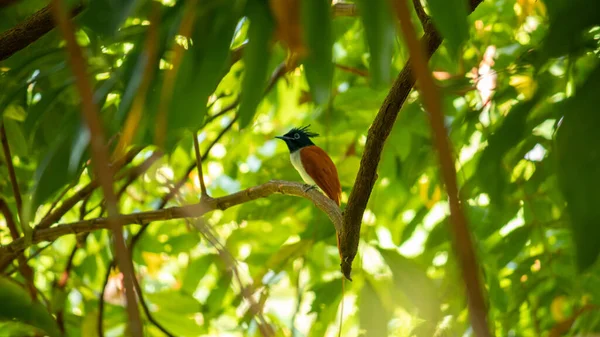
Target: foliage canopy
point(520, 84)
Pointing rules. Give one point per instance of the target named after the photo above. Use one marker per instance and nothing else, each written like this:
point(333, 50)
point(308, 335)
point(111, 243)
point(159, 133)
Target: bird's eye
point(296, 136)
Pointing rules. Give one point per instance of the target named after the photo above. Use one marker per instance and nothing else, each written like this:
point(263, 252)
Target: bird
point(313, 164)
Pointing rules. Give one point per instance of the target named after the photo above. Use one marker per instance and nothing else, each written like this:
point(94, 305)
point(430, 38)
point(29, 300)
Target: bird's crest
point(305, 131)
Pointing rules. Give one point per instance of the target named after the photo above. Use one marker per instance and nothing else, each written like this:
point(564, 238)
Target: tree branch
point(151, 318)
point(376, 137)
point(85, 191)
point(29, 31)
point(100, 159)
point(11, 169)
point(199, 167)
point(194, 210)
point(25, 269)
point(423, 17)
point(462, 240)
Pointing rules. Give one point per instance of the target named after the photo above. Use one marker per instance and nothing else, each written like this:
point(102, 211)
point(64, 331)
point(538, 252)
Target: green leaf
point(328, 296)
point(492, 175)
point(372, 314)
point(416, 286)
point(380, 31)
point(203, 66)
point(195, 271)
point(174, 301)
point(56, 168)
point(569, 19)
point(214, 304)
point(16, 139)
point(450, 19)
point(106, 16)
point(316, 22)
point(578, 167)
point(17, 305)
point(38, 110)
point(511, 245)
point(256, 59)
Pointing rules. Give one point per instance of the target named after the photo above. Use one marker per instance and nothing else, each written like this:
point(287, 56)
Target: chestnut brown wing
point(321, 168)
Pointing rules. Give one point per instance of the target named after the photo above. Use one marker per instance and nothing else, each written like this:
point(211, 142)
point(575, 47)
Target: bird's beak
point(283, 137)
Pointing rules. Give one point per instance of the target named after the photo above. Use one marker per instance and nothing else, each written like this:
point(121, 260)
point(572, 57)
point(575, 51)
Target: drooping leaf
point(17, 305)
point(578, 167)
point(316, 22)
point(57, 167)
point(493, 177)
point(511, 245)
point(256, 59)
point(203, 65)
point(328, 296)
point(195, 271)
point(105, 16)
point(17, 142)
point(414, 283)
point(450, 19)
point(373, 315)
point(568, 22)
point(380, 30)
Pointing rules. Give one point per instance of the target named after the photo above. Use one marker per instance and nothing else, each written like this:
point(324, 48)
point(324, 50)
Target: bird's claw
point(308, 187)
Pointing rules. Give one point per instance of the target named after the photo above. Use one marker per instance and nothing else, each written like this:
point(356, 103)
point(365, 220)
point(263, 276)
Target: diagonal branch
point(199, 167)
point(29, 31)
point(376, 137)
point(11, 169)
point(85, 191)
point(100, 159)
point(194, 210)
point(461, 237)
point(423, 17)
point(25, 269)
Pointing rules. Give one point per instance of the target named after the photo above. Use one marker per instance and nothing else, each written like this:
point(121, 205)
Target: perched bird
point(313, 164)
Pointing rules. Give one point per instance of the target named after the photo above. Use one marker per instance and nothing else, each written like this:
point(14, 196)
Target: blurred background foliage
point(521, 86)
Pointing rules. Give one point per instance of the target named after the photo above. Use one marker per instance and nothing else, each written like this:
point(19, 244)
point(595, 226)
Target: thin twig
point(100, 158)
point(100, 319)
point(62, 284)
point(265, 329)
point(85, 191)
point(462, 240)
point(175, 189)
point(25, 269)
point(137, 171)
point(151, 318)
point(199, 167)
point(194, 210)
point(352, 70)
point(11, 170)
point(225, 110)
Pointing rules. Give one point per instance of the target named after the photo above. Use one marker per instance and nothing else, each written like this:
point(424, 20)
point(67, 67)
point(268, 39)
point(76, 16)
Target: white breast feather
point(297, 162)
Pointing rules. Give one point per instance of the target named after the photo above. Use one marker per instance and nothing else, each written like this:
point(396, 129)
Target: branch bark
point(11, 170)
point(189, 211)
point(376, 137)
point(462, 241)
point(29, 31)
point(100, 159)
point(24, 268)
